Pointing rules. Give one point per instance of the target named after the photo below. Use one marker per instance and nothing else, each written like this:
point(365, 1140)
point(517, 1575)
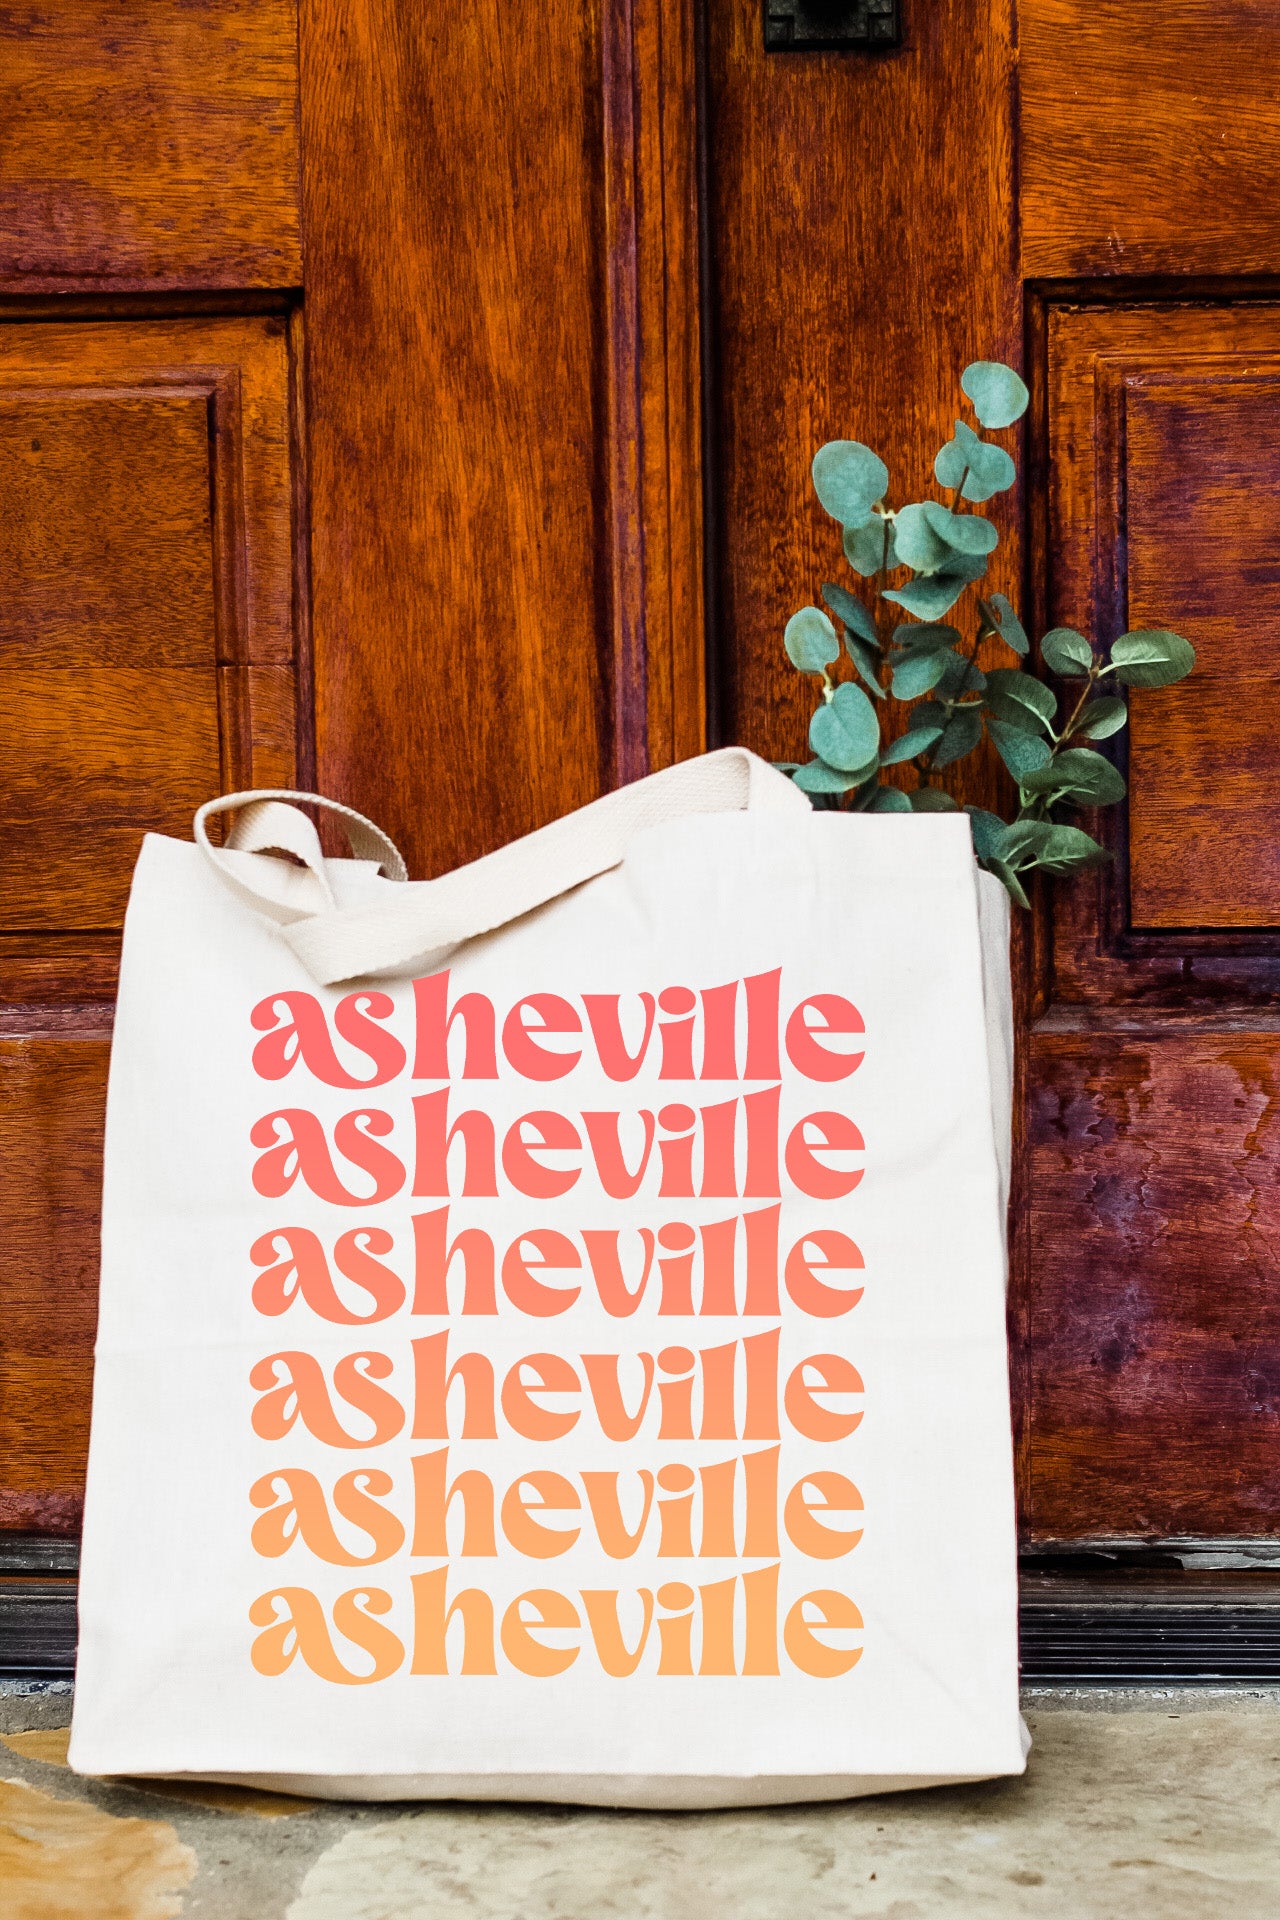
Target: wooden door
point(386, 390)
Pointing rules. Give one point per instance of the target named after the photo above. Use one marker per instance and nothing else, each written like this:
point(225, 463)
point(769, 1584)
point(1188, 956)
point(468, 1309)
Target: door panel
point(1149, 1309)
point(149, 146)
point(1164, 447)
point(53, 1087)
point(146, 661)
point(1149, 140)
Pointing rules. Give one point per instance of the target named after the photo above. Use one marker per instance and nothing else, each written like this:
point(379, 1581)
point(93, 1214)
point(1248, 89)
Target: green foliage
point(810, 641)
point(848, 479)
point(923, 557)
point(998, 395)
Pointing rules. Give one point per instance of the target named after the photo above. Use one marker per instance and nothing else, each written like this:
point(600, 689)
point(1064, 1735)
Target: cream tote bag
point(552, 1336)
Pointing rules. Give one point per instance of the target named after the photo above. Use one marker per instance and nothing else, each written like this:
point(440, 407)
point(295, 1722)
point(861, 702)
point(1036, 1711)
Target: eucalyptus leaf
point(845, 731)
point(930, 713)
point(1100, 718)
point(866, 793)
point(1066, 652)
point(1008, 879)
point(867, 660)
point(999, 613)
point(926, 635)
point(988, 832)
point(889, 800)
point(1078, 774)
point(810, 640)
point(1152, 657)
point(915, 740)
point(847, 607)
point(1042, 843)
point(1024, 840)
point(998, 394)
point(935, 594)
point(918, 543)
point(989, 469)
point(1011, 684)
point(960, 676)
point(960, 736)
point(866, 550)
point(817, 777)
point(1022, 752)
point(918, 672)
point(931, 800)
point(849, 479)
point(1067, 848)
point(962, 532)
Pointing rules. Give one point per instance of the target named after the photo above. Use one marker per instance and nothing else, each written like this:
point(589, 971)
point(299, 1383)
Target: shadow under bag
point(552, 1335)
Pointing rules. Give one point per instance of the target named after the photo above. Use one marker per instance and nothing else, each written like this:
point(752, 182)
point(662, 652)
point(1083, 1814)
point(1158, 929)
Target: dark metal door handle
point(804, 26)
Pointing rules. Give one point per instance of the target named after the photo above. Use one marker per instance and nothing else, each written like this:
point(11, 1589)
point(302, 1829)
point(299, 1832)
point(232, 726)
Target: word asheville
point(627, 1162)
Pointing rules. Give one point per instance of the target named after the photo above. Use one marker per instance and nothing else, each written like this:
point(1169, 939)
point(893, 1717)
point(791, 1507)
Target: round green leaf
point(817, 777)
point(865, 547)
point(845, 731)
point(961, 532)
point(889, 800)
point(847, 607)
point(935, 594)
point(960, 676)
point(1067, 847)
point(931, 800)
point(1100, 719)
point(960, 736)
point(867, 660)
point(915, 740)
point(918, 672)
point(849, 479)
point(1011, 684)
point(925, 636)
point(918, 544)
point(1022, 752)
point(1007, 624)
point(810, 640)
point(1005, 874)
point(1078, 774)
point(998, 394)
point(989, 469)
point(988, 832)
point(1066, 652)
point(1152, 657)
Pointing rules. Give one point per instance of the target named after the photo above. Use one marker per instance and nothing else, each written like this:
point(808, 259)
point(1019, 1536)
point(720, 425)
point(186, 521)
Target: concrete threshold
point(1158, 1802)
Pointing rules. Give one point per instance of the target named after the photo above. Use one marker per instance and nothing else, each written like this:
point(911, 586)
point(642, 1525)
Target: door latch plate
point(804, 26)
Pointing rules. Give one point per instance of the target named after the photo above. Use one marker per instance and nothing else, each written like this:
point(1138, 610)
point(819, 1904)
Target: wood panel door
point(349, 435)
point(1087, 190)
point(386, 391)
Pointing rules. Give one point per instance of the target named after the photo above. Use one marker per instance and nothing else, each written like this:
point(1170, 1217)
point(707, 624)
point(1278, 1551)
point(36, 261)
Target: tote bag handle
point(336, 944)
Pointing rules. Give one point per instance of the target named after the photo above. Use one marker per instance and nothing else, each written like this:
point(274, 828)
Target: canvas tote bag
point(551, 1340)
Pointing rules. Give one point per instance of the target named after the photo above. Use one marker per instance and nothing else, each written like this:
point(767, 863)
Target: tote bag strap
point(337, 944)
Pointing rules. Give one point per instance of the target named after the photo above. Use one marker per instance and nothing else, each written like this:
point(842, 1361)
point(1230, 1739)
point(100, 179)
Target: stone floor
point(1143, 1806)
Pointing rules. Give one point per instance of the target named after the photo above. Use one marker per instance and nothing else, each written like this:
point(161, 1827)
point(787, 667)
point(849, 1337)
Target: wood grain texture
point(146, 651)
point(1153, 1311)
point(655, 397)
point(1149, 141)
point(842, 309)
point(149, 146)
point(52, 1092)
point(486, 547)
